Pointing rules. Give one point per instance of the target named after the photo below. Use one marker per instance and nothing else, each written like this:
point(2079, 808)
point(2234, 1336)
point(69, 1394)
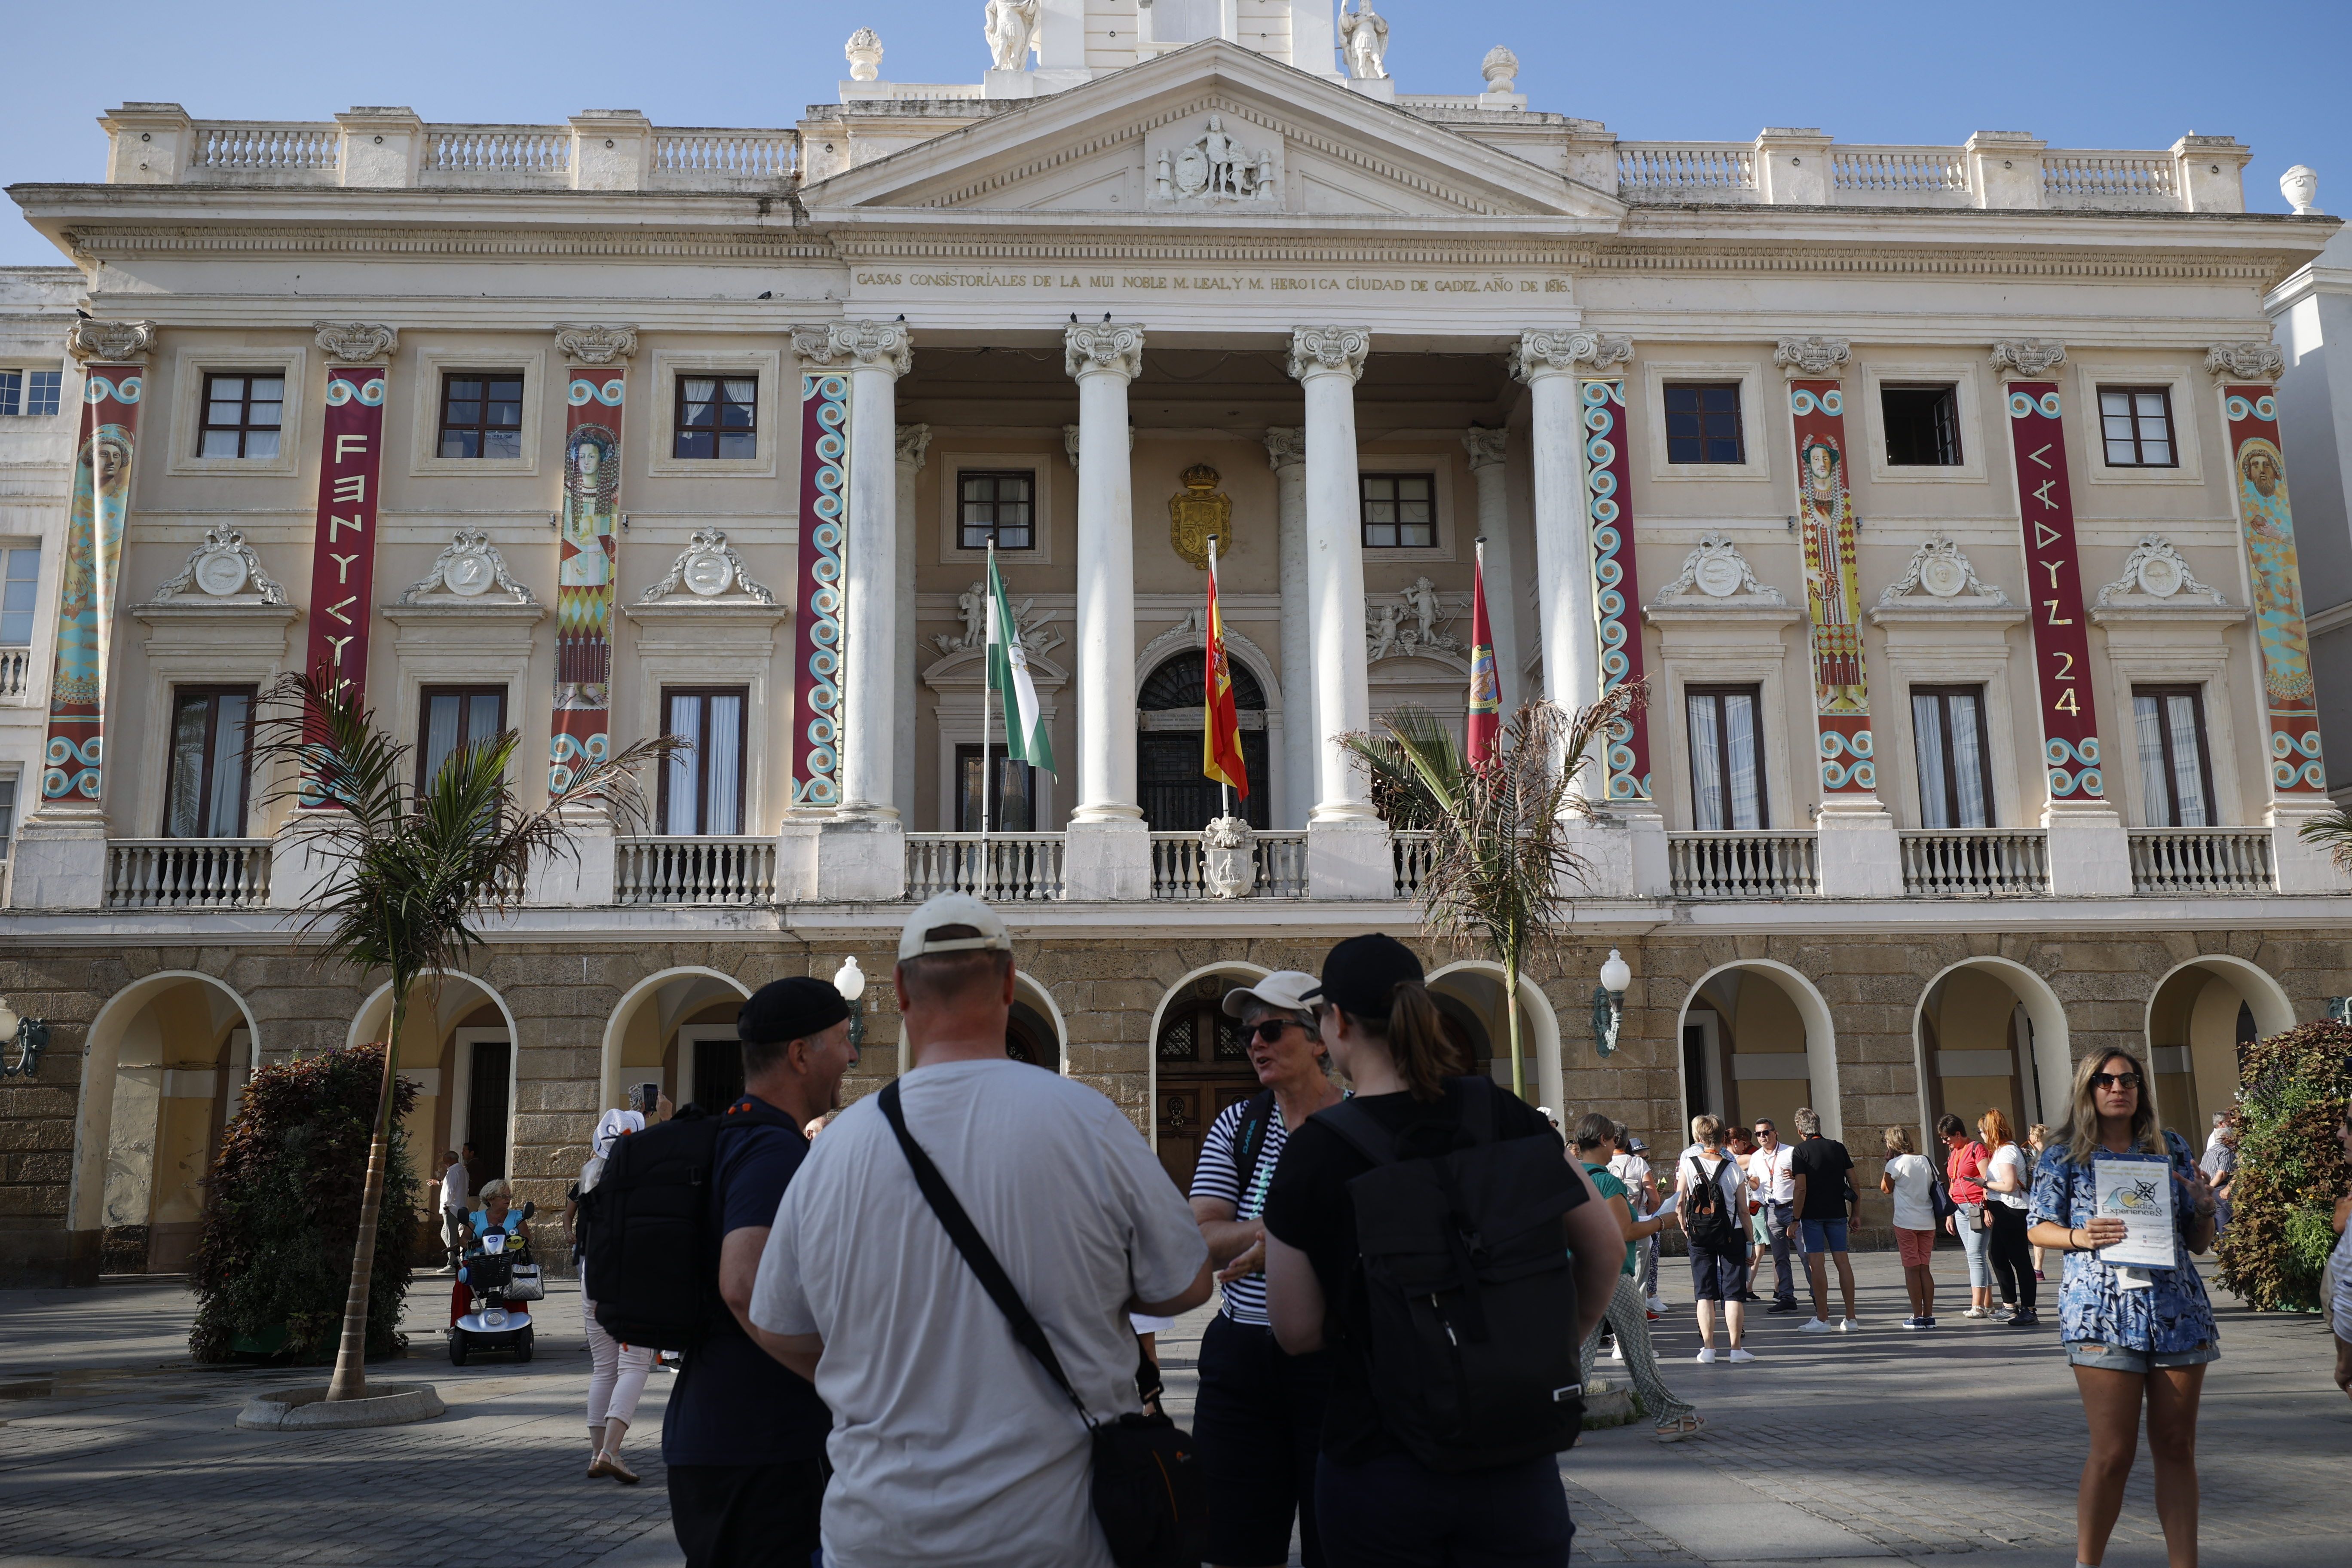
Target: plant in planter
point(273, 1265)
point(2291, 1099)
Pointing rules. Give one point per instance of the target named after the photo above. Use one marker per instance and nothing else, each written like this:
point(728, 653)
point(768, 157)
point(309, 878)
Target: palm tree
point(2333, 833)
point(408, 873)
point(1500, 857)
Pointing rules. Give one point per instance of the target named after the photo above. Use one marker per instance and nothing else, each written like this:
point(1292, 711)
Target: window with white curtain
point(702, 781)
point(204, 791)
point(1947, 729)
point(1727, 748)
point(455, 716)
point(2176, 777)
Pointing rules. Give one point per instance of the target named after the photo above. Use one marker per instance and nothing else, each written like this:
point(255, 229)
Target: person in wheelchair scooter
point(497, 1274)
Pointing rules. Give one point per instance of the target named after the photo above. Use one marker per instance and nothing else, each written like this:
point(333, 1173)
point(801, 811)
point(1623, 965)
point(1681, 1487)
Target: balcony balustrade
point(17, 677)
point(2202, 860)
point(1413, 849)
point(1003, 867)
point(187, 873)
point(1778, 864)
point(676, 870)
point(1969, 862)
point(1179, 867)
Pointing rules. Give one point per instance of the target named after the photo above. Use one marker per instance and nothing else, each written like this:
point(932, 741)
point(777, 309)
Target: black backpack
point(652, 1263)
point(1704, 1220)
point(1471, 1295)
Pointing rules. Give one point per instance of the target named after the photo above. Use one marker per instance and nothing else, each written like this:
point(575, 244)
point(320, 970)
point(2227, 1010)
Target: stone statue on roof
point(1011, 27)
point(1364, 39)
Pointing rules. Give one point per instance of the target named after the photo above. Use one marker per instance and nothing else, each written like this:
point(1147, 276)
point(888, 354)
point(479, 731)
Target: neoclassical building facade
point(1934, 495)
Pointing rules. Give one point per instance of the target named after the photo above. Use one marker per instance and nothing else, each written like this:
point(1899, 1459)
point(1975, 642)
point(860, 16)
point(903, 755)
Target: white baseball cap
point(952, 909)
point(1285, 989)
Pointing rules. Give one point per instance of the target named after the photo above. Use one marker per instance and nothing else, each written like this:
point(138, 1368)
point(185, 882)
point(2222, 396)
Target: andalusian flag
point(1026, 738)
point(1485, 689)
point(1221, 736)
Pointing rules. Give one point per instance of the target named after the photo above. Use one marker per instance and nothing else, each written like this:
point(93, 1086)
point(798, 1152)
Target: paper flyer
point(2137, 1190)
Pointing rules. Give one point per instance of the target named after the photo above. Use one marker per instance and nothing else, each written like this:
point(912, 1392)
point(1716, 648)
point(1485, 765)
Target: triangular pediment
point(1215, 133)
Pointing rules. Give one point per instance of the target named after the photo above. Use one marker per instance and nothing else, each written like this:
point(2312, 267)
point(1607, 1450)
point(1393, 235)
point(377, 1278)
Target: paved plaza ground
point(1878, 1447)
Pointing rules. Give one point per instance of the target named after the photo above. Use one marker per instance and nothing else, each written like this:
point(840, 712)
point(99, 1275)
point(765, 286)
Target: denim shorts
point(2123, 1358)
point(1824, 1235)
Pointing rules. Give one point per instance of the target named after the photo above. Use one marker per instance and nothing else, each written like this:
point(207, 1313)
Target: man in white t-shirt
point(1769, 1172)
point(950, 1444)
point(454, 1199)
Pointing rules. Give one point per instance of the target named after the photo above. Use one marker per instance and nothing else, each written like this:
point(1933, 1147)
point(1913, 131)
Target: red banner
point(72, 759)
point(1833, 589)
point(2269, 530)
point(343, 552)
point(1486, 693)
point(1616, 594)
point(2054, 580)
point(584, 572)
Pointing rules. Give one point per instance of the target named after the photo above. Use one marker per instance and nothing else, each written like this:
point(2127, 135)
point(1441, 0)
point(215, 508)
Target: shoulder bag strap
point(1357, 1126)
point(968, 1242)
point(1255, 1120)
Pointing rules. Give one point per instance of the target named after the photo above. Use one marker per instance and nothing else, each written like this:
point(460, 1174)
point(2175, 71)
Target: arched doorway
point(459, 1045)
point(1176, 796)
point(1469, 997)
point(2200, 1020)
point(1201, 1065)
point(676, 1029)
point(1991, 1035)
point(163, 1070)
point(1757, 1042)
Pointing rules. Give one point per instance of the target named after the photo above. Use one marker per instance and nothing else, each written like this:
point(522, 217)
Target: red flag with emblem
point(1485, 689)
point(1221, 736)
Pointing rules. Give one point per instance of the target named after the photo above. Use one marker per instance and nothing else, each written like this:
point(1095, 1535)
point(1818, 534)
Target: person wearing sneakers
point(1772, 1175)
point(1627, 1314)
point(2008, 1190)
point(1964, 1169)
point(1910, 1180)
point(1817, 1170)
point(1712, 1205)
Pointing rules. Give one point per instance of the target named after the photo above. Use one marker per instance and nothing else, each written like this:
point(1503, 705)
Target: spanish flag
point(1485, 690)
point(1221, 735)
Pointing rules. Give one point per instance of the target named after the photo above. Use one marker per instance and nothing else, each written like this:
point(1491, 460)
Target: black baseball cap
point(790, 1009)
point(1358, 974)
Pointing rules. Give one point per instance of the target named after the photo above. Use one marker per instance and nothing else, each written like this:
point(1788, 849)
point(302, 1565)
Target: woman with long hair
point(1628, 1314)
point(2007, 1179)
point(2137, 1337)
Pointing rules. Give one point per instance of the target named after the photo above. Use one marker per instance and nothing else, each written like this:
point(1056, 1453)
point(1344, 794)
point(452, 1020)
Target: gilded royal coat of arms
point(1198, 511)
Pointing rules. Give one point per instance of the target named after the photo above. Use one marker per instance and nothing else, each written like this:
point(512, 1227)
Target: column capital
point(1486, 447)
point(1554, 350)
point(595, 344)
point(1110, 348)
point(111, 342)
point(1814, 358)
point(914, 445)
point(356, 342)
point(857, 345)
point(1328, 351)
point(1285, 446)
point(2259, 360)
point(2032, 358)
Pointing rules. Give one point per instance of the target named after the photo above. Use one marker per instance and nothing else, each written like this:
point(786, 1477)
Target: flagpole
point(1224, 790)
point(987, 671)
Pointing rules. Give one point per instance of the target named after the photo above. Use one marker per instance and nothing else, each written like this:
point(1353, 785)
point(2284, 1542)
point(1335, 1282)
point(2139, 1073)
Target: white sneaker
point(1657, 1303)
point(1707, 1355)
point(1617, 1352)
point(1742, 1355)
point(1813, 1326)
point(1848, 1325)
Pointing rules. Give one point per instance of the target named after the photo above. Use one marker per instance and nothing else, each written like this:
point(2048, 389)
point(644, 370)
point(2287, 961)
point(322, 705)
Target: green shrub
point(275, 1256)
point(2293, 1089)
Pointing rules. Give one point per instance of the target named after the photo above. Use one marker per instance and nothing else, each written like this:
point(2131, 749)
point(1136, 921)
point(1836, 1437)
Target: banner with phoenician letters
point(72, 759)
point(343, 556)
point(2260, 468)
point(2062, 644)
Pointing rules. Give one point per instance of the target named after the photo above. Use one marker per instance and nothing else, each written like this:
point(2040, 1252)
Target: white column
point(914, 445)
point(1486, 450)
point(1346, 845)
point(1106, 848)
point(1545, 360)
point(1285, 450)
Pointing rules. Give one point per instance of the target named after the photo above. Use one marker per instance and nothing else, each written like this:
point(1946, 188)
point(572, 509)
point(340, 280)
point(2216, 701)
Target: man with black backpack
point(1433, 1232)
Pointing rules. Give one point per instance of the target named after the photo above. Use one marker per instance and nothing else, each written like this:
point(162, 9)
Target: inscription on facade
point(1217, 282)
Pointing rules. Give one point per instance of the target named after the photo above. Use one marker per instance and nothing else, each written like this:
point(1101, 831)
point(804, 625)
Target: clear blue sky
point(2078, 73)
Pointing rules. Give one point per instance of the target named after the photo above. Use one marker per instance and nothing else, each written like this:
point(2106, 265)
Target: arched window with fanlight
point(1202, 1065)
point(1176, 796)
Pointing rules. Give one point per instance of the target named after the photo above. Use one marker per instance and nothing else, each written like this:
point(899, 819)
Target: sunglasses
point(2115, 1079)
point(1270, 1030)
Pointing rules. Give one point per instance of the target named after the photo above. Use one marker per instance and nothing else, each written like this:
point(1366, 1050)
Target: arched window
point(1176, 796)
point(1183, 681)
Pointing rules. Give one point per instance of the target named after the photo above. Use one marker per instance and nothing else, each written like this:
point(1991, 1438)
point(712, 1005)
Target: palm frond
point(1415, 766)
point(2332, 833)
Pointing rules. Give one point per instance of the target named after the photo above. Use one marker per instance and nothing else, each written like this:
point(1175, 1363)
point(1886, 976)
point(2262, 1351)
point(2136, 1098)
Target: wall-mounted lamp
point(22, 1040)
point(850, 980)
point(1609, 1001)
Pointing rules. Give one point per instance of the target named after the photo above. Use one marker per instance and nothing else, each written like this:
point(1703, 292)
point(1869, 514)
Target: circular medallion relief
point(1943, 576)
point(467, 574)
point(220, 574)
point(2159, 575)
point(1718, 576)
point(708, 573)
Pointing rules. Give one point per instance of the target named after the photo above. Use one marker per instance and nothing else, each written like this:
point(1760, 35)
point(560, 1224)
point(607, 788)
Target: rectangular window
point(717, 416)
point(1013, 800)
point(31, 392)
point(1727, 748)
point(455, 716)
point(1400, 511)
point(20, 582)
point(7, 815)
point(702, 783)
point(1947, 729)
point(204, 795)
point(2175, 774)
point(997, 505)
point(2137, 424)
point(1923, 426)
point(1702, 422)
point(481, 414)
point(241, 417)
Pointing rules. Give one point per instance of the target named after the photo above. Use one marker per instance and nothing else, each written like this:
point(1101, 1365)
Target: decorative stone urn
point(1229, 857)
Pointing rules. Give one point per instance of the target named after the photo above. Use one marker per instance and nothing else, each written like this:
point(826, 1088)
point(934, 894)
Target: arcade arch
point(2199, 1017)
point(1199, 1063)
point(163, 1066)
point(1757, 1041)
point(1469, 997)
point(1989, 1033)
point(675, 1029)
point(458, 1047)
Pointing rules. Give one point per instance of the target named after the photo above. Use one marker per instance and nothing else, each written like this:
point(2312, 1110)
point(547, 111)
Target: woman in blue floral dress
point(2134, 1336)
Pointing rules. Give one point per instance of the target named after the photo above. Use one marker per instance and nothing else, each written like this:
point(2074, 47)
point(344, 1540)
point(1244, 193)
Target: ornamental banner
point(2053, 585)
point(585, 569)
point(2268, 528)
point(813, 724)
point(103, 446)
point(343, 552)
point(1833, 589)
point(1616, 592)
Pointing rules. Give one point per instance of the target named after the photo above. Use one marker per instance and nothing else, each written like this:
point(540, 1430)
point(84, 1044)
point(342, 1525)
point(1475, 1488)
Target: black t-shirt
point(734, 1402)
point(1308, 1207)
point(1823, 1163)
